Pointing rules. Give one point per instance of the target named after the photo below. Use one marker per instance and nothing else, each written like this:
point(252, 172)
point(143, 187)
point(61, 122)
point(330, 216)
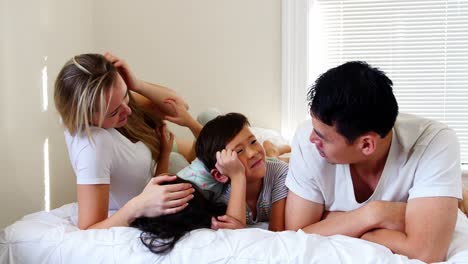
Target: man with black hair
point(359, 168)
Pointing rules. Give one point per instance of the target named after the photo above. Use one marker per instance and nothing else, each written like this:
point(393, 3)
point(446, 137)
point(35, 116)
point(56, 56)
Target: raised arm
point(167, 140)
point(160, 99)
point(229, 165)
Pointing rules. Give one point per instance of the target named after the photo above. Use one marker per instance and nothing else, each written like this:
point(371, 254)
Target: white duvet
point(52, 237)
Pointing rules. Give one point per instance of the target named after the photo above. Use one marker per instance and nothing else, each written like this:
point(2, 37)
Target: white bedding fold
point(52, 237)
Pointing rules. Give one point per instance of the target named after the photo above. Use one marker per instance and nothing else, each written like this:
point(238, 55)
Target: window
point(421, 45)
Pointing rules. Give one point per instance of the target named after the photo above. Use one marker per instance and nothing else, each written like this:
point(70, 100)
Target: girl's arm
point(166, 148)
point(277, 215)
point(155, 200)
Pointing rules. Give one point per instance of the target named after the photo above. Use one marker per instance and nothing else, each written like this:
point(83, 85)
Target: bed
point(53, 237)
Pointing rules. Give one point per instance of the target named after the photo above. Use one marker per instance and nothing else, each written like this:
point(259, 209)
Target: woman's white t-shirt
point(110, 158)
point(423, 161)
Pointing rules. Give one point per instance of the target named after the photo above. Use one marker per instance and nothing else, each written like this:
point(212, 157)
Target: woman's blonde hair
point(80, 92)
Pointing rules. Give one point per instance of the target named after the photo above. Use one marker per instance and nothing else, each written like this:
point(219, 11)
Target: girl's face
point(250, 152)
point(118, 110)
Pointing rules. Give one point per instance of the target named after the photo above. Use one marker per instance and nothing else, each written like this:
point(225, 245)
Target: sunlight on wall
point(46, 176)
point(45, 100)
point(45, 105)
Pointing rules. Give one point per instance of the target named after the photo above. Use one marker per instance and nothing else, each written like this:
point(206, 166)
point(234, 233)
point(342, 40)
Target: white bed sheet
point(52, 237)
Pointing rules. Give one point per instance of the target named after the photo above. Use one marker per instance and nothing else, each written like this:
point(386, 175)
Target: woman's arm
point(154, 97)
point(148, 95)
point(155, 200)
point(277, 215)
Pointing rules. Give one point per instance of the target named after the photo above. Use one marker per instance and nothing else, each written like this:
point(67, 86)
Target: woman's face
point(250, 152)
point(117, 99)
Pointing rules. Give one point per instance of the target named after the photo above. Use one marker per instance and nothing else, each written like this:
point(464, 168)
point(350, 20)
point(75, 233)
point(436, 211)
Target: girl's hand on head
point(179, 114)
point(166, 142)
point(130, 79)
point(229, 164)
point(226, 222)
point(157, 199)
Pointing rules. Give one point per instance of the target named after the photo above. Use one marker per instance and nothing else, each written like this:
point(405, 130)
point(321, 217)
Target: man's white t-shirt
point(113, 159)
point(424, 161)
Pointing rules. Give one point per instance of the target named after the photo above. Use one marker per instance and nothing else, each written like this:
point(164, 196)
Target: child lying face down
point(160, 234)
point(256, 191)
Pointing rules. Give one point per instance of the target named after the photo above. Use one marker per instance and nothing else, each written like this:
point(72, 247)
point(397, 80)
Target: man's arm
point(430, 223)
point(353, 223)
point(375, 214)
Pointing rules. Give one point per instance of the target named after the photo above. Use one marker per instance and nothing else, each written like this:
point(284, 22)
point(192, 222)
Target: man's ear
point(218, 176)
point(368, 143)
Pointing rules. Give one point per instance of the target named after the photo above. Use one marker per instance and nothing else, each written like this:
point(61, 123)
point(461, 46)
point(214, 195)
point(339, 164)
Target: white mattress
point(52, 237)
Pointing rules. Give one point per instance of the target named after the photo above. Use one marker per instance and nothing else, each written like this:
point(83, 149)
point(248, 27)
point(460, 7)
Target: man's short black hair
point(356, 98)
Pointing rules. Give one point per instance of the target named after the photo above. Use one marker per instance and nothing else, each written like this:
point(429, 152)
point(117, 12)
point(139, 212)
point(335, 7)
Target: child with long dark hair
point(160, 234)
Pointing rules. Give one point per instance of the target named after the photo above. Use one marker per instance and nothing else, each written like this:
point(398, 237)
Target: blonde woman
point(115, 137)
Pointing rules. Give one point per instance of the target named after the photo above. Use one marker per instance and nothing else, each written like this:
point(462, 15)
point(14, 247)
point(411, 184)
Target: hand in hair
point(128, 76)
point(167, 140)
point(160, 234)
point(226, 222)
point(158, 199)
point(228, 164)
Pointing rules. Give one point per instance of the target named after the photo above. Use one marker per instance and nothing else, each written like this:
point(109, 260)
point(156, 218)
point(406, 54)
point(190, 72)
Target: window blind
point(421, 45)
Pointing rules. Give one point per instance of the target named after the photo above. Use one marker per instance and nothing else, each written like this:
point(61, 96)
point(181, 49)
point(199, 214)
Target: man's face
point(331, 145)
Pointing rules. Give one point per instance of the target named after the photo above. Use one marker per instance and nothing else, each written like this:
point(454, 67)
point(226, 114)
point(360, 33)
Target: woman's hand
point(228, 164)
point(157, 199)
point(129, 78)
point(226, 222)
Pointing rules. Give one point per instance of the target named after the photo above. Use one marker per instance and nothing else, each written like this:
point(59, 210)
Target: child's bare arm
point(277, 215)
point(229, 165)
point(166, 147)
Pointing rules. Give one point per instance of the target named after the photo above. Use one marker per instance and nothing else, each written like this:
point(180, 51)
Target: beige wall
point(219, 53)
point(30, 31)
point(216, 53)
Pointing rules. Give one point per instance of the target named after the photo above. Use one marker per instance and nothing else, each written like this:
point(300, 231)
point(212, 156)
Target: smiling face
point(117, 99)
point(331, 145)
point(250, 152)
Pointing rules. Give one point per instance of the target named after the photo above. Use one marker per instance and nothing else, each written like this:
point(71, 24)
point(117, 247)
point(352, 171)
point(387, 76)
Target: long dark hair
point(160, 234)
